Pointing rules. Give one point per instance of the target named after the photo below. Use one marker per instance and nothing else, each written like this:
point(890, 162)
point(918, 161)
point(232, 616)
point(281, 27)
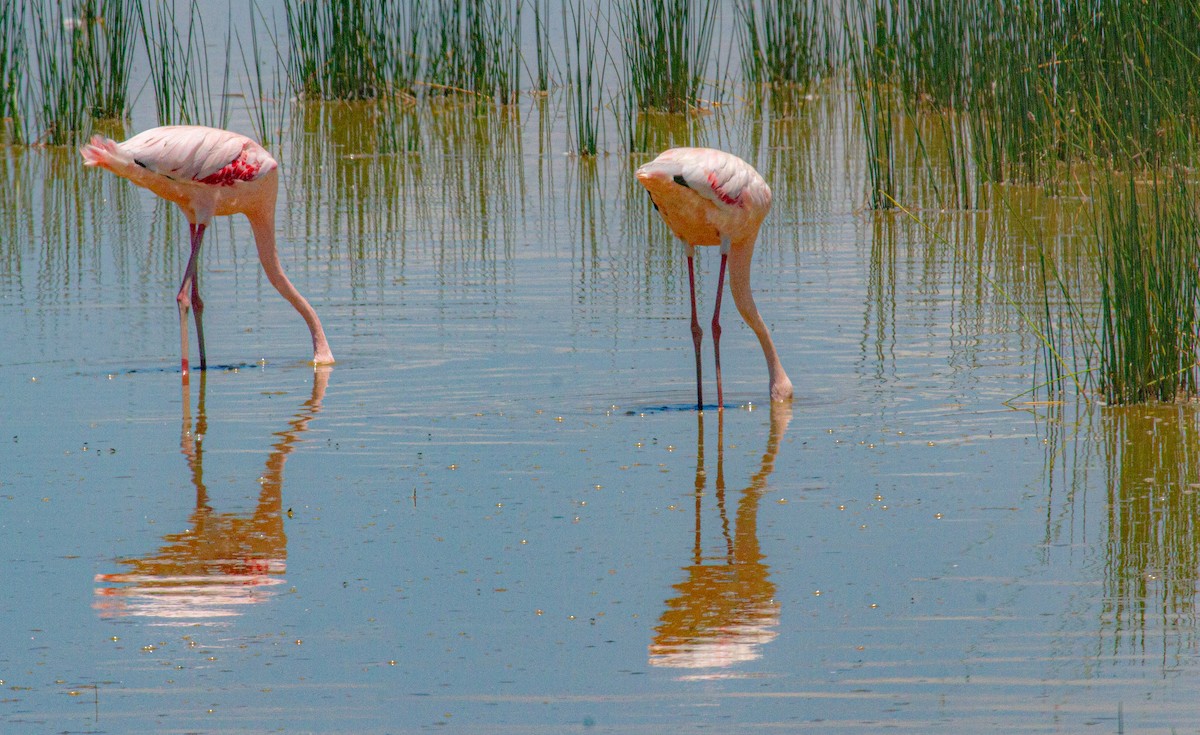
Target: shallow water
point(498, 512)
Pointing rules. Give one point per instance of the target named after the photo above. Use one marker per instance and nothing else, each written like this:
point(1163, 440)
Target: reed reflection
point(1152, 549)
point(223, 560)
point(726, 609)
point(447, 202)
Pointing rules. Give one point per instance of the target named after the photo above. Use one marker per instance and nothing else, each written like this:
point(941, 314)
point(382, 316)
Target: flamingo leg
point(189, 296)
point(716, 330)
point(198, 313)
point(697, 332)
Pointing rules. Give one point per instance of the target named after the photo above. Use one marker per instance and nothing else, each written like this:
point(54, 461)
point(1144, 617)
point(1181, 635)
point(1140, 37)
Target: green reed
point(584, 75)
point(111, 46)
point(335, 48)
point(177, 56)
point(543, 55)
point(14, 66)
point(1127, 330)
point(63, 92)
point(1047, 85)
point(1149, 254)
point(473, 47)
point(666, 45)
point(268, 105)
point(870, 58)
point(786, 45)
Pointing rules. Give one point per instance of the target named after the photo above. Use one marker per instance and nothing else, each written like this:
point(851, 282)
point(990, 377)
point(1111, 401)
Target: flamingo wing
point(715, 175)
point(200, 154)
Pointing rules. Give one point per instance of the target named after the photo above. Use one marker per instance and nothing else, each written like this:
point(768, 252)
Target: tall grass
point(584, 75)
point(63, 93)
point(474, 46)
point(1127, 332)
point(335, 51)
point(268, 105)
point(543, 56)
point(177, 55)
point(666, 45)
point(372, 49)
point(1149, 255)
point(110, 45)
point(14, 66)
point(1046, 85)
point(870, 57)
point(786, 45)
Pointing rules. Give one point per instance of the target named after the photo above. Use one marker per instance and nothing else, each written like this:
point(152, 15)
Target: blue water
point(499, 512)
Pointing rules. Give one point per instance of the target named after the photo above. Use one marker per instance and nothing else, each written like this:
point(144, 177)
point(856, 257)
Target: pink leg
point(697, 333)
point(716, 331)
point(198, 313)
point(189, 290)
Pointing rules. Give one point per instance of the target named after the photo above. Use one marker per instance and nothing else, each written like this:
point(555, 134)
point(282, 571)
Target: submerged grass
point(267, 102)
point(1127, 333)
point(14, 66)
point(787, 46)
point(585, 73)
point(179, 66)
point(1149, 253)
point(667, 45)
point(63, 93)
point(110, 45)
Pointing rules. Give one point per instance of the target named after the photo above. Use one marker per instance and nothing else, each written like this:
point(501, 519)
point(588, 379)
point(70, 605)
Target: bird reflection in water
point(726, 608)
point(223, 560)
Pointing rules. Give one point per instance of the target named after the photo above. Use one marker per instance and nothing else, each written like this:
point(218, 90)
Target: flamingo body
point(713, 198)
point(209, 173)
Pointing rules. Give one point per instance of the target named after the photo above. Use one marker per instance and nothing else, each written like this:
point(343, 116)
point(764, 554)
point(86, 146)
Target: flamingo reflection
point(223, 560)
point(726, 608)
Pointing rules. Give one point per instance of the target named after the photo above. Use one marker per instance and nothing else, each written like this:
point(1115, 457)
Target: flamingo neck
point(262, 223)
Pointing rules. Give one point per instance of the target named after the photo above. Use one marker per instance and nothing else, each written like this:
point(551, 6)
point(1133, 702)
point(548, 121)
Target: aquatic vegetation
point(110, 44)
point(543, 52)
point(786, 45)
point(1045, 85)
point(474, 48)
point(14, 65)
point(585, 75)
point(335, 49)
point(666, 47)
point(179, 66)
point(1127, 331)
point(1149, 253)
point(869, 62)
point(267, 98)
point(63, 61)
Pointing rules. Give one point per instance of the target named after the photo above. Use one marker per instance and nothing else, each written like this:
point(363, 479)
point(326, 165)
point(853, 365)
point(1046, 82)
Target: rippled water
point(498, 512)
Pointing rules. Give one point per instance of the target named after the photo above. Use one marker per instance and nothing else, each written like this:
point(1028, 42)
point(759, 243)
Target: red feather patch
point(239, 169)
point(716, 187)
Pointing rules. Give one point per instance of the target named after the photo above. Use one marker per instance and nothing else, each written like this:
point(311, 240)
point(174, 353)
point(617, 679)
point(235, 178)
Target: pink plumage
point(710, 197)
point(208, 172)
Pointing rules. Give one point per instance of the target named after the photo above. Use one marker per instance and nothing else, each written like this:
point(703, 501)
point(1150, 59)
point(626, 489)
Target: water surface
point(498, 512)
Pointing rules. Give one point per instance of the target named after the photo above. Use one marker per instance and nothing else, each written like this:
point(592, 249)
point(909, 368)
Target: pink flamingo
point(709, 197)
point(208, 172)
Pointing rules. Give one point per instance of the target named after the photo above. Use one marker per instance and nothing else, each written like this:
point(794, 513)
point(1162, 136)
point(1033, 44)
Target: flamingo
point(208, 172)
point(710, 197)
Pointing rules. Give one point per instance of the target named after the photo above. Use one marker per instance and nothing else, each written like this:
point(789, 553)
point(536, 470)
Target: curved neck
point(262, 222)
point(739, 287)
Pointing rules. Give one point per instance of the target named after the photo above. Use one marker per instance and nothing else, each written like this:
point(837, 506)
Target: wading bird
point(208, 172)
point(709, 197)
